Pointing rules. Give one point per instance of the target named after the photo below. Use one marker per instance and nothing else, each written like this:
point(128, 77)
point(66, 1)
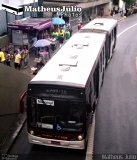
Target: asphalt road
point(116, 114)
point(26, 151)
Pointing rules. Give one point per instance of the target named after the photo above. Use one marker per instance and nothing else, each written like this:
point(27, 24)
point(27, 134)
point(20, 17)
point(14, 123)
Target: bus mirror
point(89, 108)
point(21, 102)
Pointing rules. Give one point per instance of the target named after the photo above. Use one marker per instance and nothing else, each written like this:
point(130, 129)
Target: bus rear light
point(80, 137)
point(32, 132)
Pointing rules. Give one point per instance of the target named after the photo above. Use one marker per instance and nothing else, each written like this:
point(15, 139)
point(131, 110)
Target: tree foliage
point(129, 2)
point(115, 2)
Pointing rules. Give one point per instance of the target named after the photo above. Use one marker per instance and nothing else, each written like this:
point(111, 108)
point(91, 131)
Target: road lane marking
point(126, 30)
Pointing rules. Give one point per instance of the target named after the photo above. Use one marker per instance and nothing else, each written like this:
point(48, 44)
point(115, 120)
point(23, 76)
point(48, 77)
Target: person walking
point(8, 58)
point(70, 30)
point(2, 57)
point(67, 35)
point(80, 25)
point(26, 58)
point(61, 37)
point(17, 61)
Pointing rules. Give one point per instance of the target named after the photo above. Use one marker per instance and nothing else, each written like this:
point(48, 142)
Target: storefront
point(26, 31)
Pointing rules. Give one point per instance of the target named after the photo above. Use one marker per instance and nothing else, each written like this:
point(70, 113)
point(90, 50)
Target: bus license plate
point(55, 142)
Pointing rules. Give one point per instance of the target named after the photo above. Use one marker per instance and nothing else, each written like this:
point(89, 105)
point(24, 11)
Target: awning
point(43, 26)
point(31, 24)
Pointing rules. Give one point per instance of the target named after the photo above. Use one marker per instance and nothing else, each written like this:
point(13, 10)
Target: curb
point(12, 136)
point(90, 145)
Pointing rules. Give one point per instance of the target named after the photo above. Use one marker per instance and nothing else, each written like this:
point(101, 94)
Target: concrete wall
point(12, 84)
point(3, 24)
point(107, 9)
point(4, 41)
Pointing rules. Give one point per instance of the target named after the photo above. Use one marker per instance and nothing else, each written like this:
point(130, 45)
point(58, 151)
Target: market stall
point(26, 31)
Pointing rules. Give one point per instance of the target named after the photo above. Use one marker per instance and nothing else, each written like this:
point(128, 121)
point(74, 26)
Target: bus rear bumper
point(56, 143)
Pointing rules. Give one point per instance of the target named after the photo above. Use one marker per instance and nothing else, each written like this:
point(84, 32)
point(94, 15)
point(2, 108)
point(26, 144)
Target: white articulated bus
point(61, 98)
point(107, 26)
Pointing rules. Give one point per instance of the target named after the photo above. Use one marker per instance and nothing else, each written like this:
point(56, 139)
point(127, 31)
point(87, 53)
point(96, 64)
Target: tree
point(129, 2)
point(115, 2)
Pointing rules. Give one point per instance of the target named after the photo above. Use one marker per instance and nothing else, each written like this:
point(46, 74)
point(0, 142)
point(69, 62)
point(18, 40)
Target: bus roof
point(102, 24)
point(72, 64)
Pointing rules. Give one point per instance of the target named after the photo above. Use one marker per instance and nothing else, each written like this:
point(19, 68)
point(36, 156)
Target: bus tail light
point(80, 137)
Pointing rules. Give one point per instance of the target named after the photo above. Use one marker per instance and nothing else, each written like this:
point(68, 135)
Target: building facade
point(90, 9)
point(7, 17)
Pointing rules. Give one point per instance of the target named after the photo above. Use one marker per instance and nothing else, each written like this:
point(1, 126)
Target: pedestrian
point(55, 35)
point(17, 61)
point(2, 57)
point(26, 57)
point(22, 58)
point(61, 37)
point(80, 25)
point(113, 11)
point(67, 35)
point(70, 30)
point(8, 58)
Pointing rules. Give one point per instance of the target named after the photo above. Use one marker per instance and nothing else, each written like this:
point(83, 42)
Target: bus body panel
point(56, 143)
point(107, 26)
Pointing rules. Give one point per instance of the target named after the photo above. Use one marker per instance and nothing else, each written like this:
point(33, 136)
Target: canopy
point(57, 21)
point(41, 43)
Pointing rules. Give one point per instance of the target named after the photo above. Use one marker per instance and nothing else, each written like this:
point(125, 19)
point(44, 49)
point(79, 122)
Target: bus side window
point(100, 59)
point(109, 44)
point(96, 80)
point(90, 92)
point(112, 35)
point(104, 55)
point(115, 31)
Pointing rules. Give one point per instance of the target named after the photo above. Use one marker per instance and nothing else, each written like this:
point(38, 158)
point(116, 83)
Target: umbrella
point(57, 21)
point(41, 43)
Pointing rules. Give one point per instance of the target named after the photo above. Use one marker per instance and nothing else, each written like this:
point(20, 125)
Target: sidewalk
point(14, 122)
point(118, 17)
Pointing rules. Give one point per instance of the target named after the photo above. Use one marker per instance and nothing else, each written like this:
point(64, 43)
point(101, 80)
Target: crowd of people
point(61, 33)
point(20, 57)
